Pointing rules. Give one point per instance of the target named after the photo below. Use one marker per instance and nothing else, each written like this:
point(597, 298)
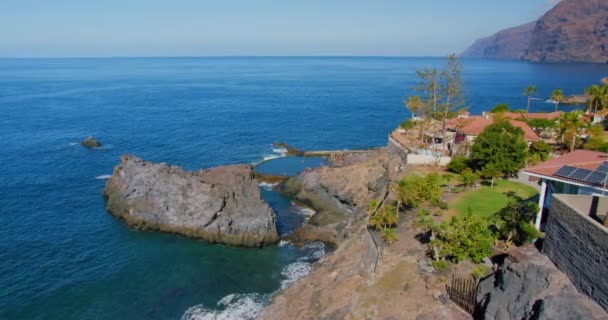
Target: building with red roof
point(472, 126)
point(536, 115)
point(582, 172)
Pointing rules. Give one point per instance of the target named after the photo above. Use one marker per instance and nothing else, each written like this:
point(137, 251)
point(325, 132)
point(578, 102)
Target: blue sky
point(79, 28)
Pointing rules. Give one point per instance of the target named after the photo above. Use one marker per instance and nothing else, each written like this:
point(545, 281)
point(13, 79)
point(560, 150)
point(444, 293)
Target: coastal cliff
point(506, 44)
point(220, 205)
point(573, 31)
point(363, 278)
point(340, 194)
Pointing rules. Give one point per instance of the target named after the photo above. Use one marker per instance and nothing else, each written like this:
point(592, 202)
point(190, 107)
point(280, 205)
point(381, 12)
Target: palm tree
point(557, 96)
point(568, 126)
point(595, 95)
point(529, 91)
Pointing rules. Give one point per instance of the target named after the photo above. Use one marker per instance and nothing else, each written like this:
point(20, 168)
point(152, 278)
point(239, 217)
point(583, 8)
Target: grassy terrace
point(486, 201)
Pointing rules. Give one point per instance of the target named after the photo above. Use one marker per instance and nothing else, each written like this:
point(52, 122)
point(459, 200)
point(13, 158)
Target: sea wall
point(578, 245)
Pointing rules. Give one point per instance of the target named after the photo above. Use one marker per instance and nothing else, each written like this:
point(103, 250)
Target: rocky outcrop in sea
point(90, 142)
point(529, 286)
point(219, 205)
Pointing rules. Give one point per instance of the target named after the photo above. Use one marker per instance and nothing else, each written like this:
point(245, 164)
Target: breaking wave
point(267, 185)
point(231, 307)
point(104, 176)
point(237, 306)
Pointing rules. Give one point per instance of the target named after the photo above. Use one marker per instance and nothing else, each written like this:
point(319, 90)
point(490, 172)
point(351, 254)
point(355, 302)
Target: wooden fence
point(463, 292)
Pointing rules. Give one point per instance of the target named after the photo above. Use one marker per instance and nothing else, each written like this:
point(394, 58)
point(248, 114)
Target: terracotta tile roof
point(585, 159)
point(474, 125)
point(534, 115)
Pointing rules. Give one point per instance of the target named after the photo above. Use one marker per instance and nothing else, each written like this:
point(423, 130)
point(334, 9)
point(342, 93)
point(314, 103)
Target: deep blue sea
point(63, 257)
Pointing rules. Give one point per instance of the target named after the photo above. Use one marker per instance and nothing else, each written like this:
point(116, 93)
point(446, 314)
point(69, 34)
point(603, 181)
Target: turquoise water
point(289, 166)
point(63, 257)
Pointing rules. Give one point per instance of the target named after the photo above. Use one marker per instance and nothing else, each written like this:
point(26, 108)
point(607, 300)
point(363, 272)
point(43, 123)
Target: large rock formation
point(507, 44)
point(573, 31)
point(529, 286)
point(220, 205)
point(340, 194)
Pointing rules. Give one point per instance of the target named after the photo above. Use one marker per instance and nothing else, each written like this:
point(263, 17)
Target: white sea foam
point(231, 307)
point(307, 212)
point(281, 151)
point(249, 306)
point(74, 143)
point(271, 156)
point(283, 243)
point(319, 250)
point(293, 272)
point(104, 176)
point(267, 185)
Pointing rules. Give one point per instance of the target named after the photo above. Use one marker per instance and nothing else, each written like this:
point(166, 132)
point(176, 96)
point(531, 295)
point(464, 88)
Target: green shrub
point(468, 177)
point(389, 235)
point(501, 107)
point(540, 123)
point(458, 164)
point(440, 204)
point(407, 125)
point(467, 238)
point(512, 223)
point(415, 190)
point(479, 271)
point(440, 265)
point(539, 150)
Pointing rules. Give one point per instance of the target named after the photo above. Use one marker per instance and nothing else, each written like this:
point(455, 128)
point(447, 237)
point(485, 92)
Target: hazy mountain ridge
point(573, 31)
point(506, 44)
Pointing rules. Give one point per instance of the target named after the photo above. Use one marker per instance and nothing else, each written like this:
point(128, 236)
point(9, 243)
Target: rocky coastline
point(362, 278)
point(219, 205)
point(340, 194)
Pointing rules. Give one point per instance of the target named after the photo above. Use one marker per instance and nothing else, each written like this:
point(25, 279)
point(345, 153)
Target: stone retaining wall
point(578, 245)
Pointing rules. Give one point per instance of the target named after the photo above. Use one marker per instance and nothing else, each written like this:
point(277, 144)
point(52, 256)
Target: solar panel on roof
point(580, 174)
point(596, 177)
point(565, 171)
point(603, 167)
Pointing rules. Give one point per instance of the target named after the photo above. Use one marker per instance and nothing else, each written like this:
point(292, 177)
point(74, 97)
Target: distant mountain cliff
point(507, 44)
point(573, 31)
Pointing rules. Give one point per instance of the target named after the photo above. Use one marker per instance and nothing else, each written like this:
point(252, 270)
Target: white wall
point(423, 159)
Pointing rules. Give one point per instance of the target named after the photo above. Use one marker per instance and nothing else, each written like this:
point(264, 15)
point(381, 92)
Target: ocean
point(63, 257)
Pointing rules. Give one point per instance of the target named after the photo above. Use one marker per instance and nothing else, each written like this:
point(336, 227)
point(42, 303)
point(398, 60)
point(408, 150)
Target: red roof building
point(535, 115)
point(474, 125)
point(582, 172)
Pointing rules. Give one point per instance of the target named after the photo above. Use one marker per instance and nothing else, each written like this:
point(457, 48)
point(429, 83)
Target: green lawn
point(486, 201)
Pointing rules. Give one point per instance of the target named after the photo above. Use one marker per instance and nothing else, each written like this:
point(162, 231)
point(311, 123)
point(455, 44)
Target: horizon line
point(222, 56)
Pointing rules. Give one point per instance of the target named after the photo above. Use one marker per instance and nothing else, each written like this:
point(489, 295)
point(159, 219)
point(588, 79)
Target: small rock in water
point(90, 142)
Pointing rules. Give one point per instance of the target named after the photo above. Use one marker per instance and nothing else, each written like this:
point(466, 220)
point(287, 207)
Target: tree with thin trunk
point(419, 108)
point(595, 95)
point(557, 96)
point(491, 172)
point(453, 91)
point(429, 86)
point(569, 124)
point(529, 91)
